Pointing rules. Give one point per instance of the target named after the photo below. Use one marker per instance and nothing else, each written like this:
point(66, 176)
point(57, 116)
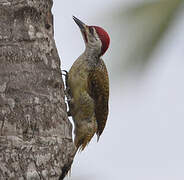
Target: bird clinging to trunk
point(88, 86)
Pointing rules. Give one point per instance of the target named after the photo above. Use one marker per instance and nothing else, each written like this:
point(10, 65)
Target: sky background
point(143, 138)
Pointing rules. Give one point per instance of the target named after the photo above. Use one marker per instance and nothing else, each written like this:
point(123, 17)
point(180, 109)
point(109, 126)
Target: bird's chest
point(78, 79)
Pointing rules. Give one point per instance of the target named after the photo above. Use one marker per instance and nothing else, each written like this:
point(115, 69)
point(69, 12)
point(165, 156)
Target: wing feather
point(98, 85)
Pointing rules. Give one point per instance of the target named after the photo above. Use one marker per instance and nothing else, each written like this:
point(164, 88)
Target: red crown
point(104, 37)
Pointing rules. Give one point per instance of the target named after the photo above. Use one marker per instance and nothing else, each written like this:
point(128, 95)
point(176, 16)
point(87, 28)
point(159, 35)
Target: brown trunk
point(35, 140)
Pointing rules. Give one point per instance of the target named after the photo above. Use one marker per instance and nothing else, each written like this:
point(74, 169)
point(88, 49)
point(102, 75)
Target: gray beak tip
point(79, 23)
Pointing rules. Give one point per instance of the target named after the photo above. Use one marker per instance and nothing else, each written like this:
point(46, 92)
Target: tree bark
point(35, 140)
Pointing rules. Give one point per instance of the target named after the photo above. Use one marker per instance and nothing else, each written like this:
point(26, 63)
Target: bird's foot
point(65, 73)
point(66, 91)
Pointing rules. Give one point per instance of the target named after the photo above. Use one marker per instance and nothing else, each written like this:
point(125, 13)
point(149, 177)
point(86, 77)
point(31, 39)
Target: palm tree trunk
point(35, 140)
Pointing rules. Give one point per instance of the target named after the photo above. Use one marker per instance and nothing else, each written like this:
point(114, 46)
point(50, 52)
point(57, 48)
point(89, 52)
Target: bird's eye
point(91, 30)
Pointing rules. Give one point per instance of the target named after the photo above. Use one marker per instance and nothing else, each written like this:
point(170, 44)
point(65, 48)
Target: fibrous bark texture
point(35, 134)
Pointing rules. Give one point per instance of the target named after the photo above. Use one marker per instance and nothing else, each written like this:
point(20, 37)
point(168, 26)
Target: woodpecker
point(87, 85)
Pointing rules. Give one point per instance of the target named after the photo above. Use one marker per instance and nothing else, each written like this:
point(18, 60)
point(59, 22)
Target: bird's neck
point(92, 54)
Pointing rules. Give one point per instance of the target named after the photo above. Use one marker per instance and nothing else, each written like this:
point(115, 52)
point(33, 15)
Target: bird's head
point(95, 37)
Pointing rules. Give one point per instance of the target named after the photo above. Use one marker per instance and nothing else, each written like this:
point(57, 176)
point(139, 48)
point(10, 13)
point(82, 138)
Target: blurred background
point(143, 139)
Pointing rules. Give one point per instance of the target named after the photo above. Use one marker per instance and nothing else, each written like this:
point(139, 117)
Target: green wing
point(98, 85)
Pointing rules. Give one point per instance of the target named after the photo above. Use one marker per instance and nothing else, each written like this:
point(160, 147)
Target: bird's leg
point(66, 78)
point(67, 91)
point(66, 85)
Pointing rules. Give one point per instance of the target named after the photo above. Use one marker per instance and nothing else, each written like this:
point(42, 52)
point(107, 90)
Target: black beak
point(79, 23)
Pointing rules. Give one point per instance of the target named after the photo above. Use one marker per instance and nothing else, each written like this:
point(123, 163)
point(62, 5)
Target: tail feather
point(83, 142)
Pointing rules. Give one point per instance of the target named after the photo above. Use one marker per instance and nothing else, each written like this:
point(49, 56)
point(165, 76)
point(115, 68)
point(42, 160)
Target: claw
point(69, 113)
point(66, 78)
point(67, 91)
point(66, 73)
